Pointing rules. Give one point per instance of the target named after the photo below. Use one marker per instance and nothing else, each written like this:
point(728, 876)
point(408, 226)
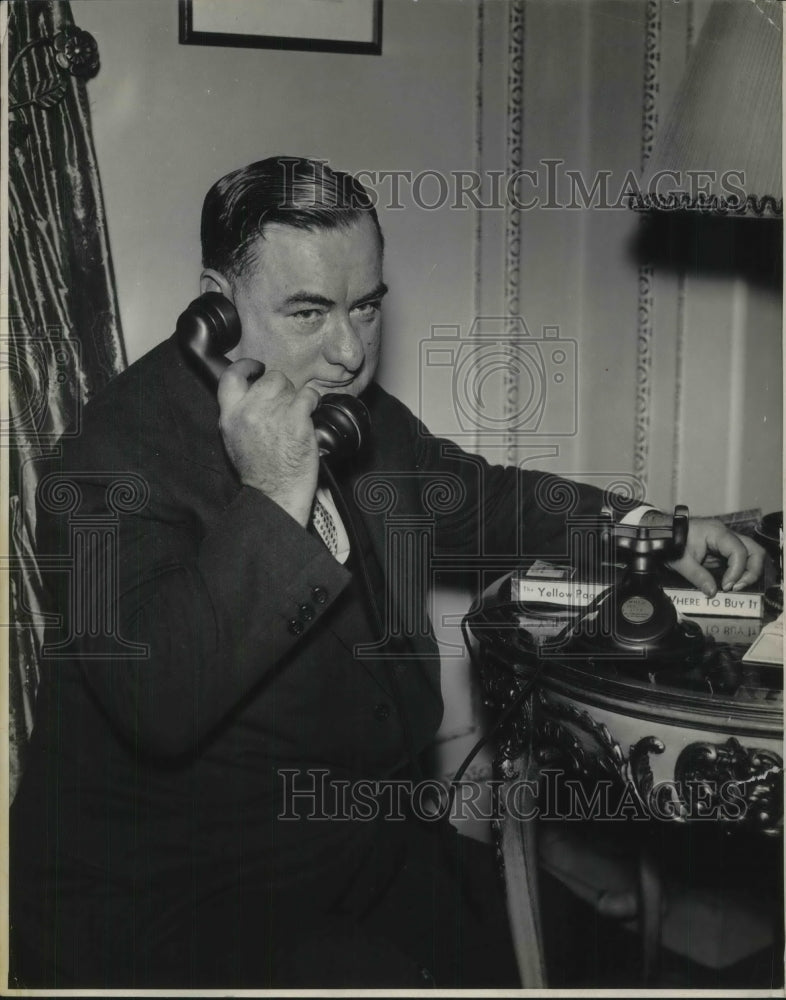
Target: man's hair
point(288, 190)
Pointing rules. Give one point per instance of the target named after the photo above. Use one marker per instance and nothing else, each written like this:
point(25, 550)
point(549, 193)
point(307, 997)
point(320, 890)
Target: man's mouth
point(332, 386)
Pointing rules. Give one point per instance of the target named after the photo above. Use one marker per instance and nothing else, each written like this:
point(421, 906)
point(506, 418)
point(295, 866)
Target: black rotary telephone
point(210, 327)
point(635, 618)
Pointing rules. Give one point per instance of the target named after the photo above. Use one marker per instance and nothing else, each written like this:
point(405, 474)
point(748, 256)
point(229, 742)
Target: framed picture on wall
point(309, 25)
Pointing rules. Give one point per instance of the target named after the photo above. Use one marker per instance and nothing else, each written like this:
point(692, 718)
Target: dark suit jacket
point(144, 770)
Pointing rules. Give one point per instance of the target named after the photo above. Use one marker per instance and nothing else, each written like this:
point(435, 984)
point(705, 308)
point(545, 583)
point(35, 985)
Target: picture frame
point(349, 26)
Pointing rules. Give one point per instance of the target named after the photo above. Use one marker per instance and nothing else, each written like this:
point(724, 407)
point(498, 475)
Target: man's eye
point(308, 315)
point(368, 310)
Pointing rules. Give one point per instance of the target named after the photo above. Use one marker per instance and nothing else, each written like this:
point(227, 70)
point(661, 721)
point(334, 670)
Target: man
point(181, 821)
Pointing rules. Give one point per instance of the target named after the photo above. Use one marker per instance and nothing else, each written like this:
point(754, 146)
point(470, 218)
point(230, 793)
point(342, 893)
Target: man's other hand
point(269, 435)
point(706, 536)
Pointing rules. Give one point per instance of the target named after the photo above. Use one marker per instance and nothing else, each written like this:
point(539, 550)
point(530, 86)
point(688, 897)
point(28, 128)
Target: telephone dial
point(210, 327)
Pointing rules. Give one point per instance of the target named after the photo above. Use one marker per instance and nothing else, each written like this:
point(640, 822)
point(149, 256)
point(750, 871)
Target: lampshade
point(719, 148)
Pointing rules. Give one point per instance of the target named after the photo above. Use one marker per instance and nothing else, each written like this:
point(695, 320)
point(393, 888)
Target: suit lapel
point(373, 529)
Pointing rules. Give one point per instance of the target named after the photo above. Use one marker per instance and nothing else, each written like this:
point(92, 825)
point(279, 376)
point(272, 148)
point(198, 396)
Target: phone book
point(550, 583)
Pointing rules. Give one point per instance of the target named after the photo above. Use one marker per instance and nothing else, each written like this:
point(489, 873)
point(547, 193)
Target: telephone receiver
point(210, 327)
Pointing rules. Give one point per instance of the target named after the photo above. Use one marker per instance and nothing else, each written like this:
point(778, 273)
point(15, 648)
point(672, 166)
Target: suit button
point(381, 711)
point(319, 594)
point(306, 612)
point(295, 627)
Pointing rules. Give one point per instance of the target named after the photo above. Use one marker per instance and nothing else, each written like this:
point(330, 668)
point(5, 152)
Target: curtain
point(64, 338)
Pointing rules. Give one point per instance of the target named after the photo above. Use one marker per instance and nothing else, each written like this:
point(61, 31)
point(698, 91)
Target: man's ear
point(213, 281)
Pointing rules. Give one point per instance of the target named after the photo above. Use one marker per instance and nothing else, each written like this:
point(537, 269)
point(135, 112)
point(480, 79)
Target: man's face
point(309, 305)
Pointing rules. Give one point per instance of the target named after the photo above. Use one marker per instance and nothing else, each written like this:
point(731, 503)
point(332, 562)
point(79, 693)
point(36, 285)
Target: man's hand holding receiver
point(269, 435)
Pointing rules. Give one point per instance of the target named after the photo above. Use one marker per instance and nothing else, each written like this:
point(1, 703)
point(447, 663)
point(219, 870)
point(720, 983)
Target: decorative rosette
point(70, 52)
point(76, 51)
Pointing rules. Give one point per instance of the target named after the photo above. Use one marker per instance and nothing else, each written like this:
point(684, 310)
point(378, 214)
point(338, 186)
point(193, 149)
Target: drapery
point(64, 339)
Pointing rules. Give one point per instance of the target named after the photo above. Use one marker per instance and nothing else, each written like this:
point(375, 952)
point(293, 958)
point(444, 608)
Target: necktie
point(325, 526)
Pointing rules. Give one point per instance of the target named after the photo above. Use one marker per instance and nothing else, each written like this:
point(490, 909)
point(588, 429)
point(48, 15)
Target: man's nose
point(343, 345)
